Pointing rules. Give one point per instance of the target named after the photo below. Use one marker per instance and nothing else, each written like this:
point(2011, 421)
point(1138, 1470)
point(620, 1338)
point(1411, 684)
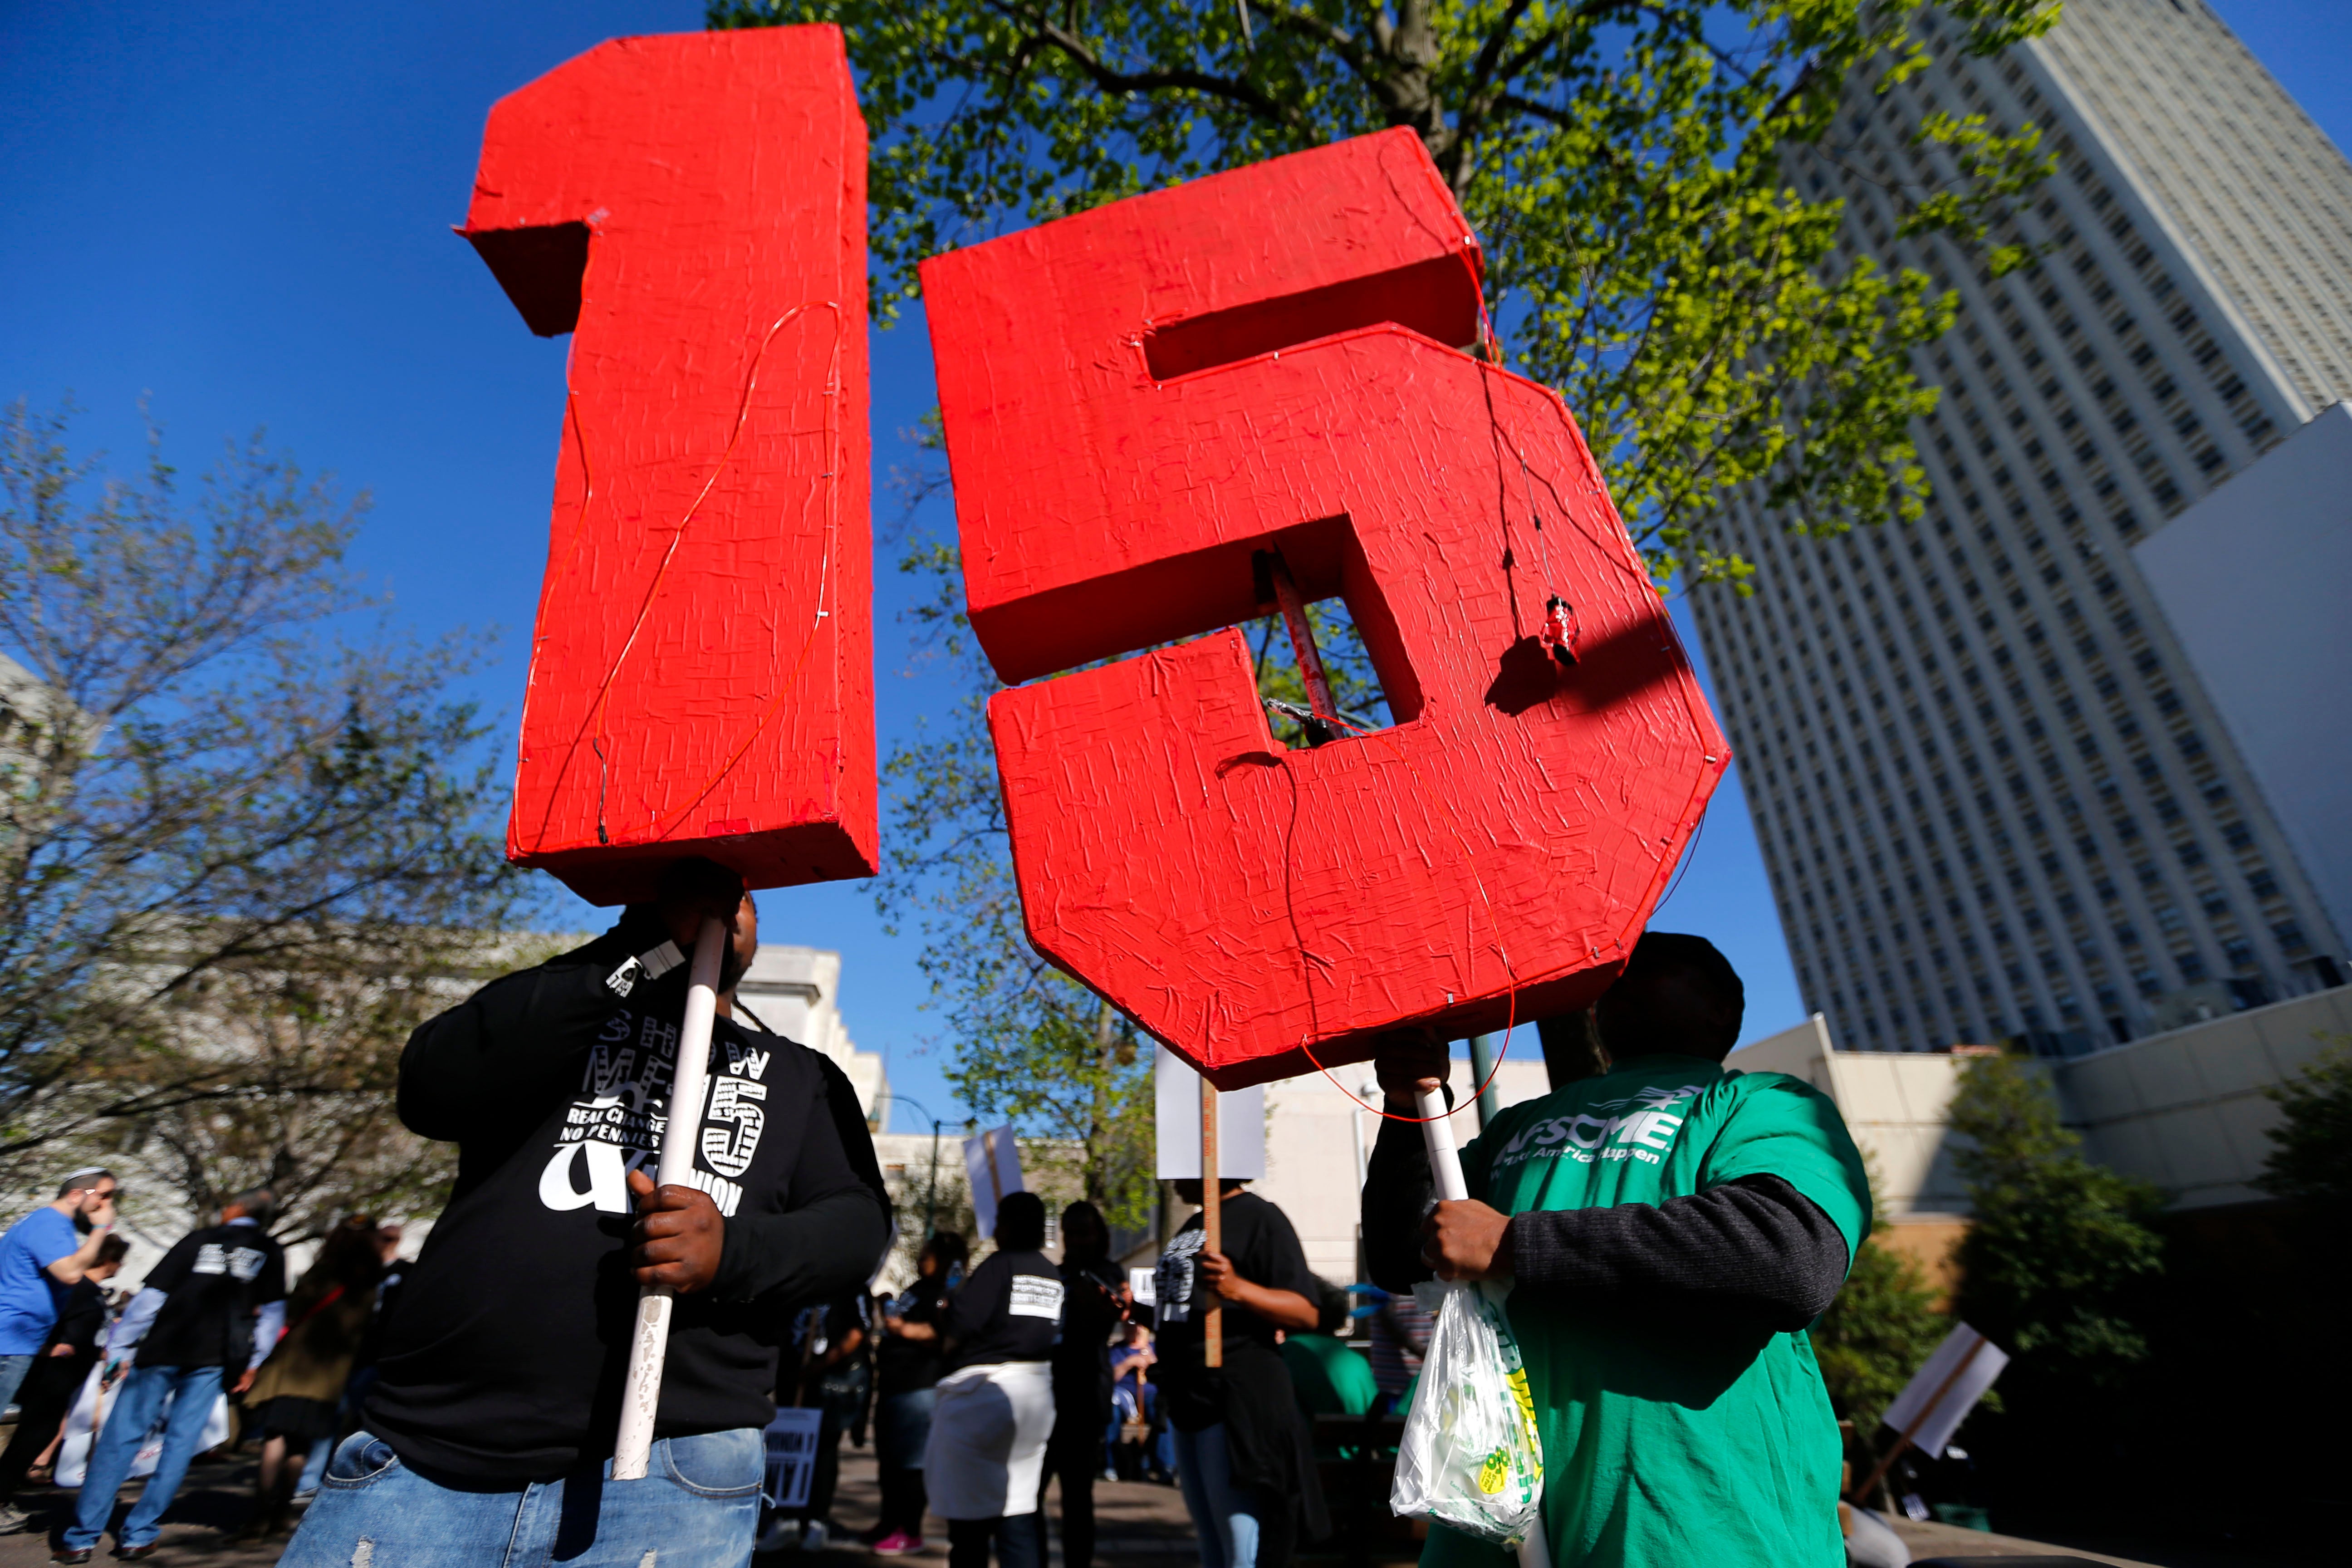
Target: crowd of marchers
point(117, 1385)
point(1667, 1229)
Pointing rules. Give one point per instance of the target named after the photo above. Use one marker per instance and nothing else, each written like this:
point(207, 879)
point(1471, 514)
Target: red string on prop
point(1528, 478)
point(1607, 551)
point(1305, 967)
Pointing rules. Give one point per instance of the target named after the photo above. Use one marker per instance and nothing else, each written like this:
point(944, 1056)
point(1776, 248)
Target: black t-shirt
point(213, 1281)
point(505, 1359)
point(904, 1365)
point(1090, 1309)
point(1264, 1250)
point(78, 1321)
point(1010, 1310)
point(831, 1324)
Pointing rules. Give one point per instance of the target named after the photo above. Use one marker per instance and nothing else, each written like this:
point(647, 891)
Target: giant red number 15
point(693, 208)
point(1151, 408)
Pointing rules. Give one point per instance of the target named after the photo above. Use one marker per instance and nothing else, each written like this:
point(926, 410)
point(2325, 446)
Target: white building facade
point(796, 992)
point(2188, 1110)
point(1994, 797)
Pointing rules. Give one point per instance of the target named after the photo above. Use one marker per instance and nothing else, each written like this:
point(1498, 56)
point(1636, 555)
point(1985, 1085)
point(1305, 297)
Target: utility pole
point(1482, 1071)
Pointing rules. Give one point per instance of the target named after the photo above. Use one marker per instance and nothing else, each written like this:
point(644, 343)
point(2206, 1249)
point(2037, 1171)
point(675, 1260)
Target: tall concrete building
point(1994, 797)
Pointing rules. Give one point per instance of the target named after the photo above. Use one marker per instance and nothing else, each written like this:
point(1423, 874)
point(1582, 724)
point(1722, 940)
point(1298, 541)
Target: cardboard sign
point(791, 1443)
point(1176, 1124)
point(1140, 403)
point(692, 209)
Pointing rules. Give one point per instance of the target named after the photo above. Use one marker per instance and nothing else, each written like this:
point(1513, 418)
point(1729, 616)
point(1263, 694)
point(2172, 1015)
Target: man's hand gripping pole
point(1445, 1170)
point(641, 1394)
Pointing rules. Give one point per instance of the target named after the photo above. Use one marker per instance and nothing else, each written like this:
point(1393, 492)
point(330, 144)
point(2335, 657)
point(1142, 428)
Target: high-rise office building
point(1994, 799)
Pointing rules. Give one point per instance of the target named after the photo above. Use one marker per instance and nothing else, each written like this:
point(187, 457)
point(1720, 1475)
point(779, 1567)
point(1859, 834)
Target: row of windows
point(2246, 175)
point(1820, 836)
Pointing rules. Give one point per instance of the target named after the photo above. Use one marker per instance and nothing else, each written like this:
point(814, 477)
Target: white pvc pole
point(689, 1083)
point(1445, 1168)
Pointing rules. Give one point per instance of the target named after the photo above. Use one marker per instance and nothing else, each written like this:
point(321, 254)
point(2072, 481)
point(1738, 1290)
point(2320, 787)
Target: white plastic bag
point(1470, 1458)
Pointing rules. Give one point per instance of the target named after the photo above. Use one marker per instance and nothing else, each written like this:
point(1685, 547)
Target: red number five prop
point(1155, 410)
point(692, 208)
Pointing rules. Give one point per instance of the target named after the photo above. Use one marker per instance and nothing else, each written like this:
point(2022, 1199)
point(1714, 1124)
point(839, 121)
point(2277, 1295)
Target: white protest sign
point(1176, 1104)
point(991, 1160)
point(1932, 1404)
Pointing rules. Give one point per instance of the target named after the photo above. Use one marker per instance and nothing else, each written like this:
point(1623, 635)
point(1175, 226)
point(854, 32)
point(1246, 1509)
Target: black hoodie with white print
point(505, 1359)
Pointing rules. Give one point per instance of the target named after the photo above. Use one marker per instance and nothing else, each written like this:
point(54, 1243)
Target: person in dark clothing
point(488, 1433)
point(49, 1391)
point(908, 1365)
point(296, 1400)
point(995, 1407)
point(1671, 1227)
point(833, 1381)
point(1242, 1457)
point(1094, 1303)
point(202, 1321)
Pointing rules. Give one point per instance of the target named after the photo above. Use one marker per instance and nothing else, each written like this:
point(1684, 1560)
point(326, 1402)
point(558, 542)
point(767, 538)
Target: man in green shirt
point(1671, 1227)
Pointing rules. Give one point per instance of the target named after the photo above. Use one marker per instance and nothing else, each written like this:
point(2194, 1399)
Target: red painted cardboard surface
point(692, 209)
point(1137, 400)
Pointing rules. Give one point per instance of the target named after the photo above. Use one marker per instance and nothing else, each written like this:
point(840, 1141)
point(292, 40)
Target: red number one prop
point(692, 209)
point(1162, 416)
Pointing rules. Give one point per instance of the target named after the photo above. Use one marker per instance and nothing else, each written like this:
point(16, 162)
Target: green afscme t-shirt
point(1670, 1441)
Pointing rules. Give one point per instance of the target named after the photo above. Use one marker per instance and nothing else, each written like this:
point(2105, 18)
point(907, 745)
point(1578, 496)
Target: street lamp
point(932, 1199)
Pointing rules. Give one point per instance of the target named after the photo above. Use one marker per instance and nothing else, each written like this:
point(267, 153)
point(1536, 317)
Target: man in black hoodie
point(488, 1436)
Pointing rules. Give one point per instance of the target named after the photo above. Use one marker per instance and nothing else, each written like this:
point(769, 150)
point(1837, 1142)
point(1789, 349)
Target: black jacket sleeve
point(1756, 1247)
point(1399, 1192)
point(833, 1237)
point(462, 1072)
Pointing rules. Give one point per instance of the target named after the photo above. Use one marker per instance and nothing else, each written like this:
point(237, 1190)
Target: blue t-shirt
point(28, 1306)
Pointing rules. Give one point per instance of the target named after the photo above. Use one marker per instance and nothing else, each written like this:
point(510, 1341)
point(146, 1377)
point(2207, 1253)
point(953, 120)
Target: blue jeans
point(314, 1467)
point(192, 1391)
point(13, 1369)
point(698, 1507)
point(1224, 1516)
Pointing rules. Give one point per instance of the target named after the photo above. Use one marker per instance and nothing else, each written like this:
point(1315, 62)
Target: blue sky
point(240, 212)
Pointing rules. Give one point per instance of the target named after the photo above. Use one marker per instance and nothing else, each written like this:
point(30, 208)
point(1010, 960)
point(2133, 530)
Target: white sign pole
point(1445, 1168)
point(690, 1084)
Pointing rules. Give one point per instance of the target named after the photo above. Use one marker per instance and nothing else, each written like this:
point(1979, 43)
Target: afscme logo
point(1640, 1134)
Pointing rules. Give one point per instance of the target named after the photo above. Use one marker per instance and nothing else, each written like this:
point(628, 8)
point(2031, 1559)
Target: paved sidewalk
point(1139, 1526)
point(1138, 1523)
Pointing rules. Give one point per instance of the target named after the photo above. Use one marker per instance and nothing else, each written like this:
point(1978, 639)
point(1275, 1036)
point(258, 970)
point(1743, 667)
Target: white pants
point(987, 1448)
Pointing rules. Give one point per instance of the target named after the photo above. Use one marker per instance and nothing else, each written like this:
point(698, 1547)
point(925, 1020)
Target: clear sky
point(241, 212)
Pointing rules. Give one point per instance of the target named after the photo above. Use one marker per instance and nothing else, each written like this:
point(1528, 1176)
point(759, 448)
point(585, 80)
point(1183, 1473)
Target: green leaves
point(2057, 1266)
point(1881, 1328)
point(2310, 1160)
point(1032, 1046)
point(1647, 255)
point(222, 791)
